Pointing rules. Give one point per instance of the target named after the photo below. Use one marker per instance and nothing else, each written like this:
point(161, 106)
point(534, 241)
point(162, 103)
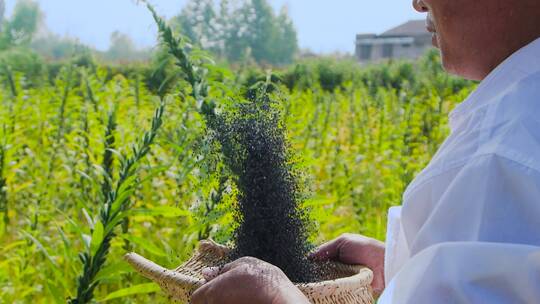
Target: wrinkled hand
point(247, 280)
point(356, 249)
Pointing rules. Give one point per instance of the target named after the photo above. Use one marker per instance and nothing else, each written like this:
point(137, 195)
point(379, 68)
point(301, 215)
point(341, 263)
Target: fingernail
point(210, 273)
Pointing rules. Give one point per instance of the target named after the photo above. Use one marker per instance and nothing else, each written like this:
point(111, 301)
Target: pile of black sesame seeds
point(271, 224)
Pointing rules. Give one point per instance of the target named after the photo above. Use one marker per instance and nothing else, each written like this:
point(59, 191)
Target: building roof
point(409, 28)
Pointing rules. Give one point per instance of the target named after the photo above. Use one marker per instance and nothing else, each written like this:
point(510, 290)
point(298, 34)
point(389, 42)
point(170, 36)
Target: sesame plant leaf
point(120, 216)
point(55, 291)
point(121, 199)
point(22, 186)
point(40, 247)
point(128, 181)
point(114, 268)
point(165, 211)
point(8, 247)
point(144, 244)
point(117, 153)
point(75, 226)
point(87, 240)
point(84, 175)
point(88, 218)
point(132, 290)
point(97, 237)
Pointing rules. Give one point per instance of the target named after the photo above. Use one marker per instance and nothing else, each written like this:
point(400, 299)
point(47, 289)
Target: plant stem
point(194, 75)
point(3, 187)
point(112, 212)
point(108, 159)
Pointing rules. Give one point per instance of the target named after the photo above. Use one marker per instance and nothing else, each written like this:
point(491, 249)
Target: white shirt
point(469, 228)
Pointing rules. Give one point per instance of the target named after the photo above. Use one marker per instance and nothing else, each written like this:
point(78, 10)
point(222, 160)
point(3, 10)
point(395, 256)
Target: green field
point(67, 137)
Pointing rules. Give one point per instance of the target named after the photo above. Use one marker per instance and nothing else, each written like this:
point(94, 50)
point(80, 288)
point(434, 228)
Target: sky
point(323, 26)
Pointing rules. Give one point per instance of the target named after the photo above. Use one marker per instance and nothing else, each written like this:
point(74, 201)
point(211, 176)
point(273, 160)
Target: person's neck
point(508, 47)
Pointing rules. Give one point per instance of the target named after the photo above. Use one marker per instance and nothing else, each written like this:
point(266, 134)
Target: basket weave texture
point(345, 284)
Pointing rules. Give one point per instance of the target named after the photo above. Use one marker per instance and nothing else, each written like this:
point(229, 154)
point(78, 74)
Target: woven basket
point(346, 284)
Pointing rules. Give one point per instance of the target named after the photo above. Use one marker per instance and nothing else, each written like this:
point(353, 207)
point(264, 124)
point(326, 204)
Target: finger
point(222, 289)
point(239, 262)
point(200, 295)
point(327, 251)
point(210, 273)
point(378, 282)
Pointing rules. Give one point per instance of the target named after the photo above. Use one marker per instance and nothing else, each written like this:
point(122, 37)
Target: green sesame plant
point(113, 210)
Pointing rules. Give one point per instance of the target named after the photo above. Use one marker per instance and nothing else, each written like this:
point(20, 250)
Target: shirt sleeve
point(468, 272)
point(480, 242)
point(396, 252)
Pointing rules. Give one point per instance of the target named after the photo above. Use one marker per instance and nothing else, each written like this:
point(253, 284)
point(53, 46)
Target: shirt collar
point(519, 65)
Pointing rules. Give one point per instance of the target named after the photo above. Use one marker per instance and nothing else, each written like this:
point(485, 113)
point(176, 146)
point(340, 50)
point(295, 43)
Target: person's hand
point(247, 280)
point(357, 250)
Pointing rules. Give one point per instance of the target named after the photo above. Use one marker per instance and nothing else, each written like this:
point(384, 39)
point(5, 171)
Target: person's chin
point(458, 67)
point(447, 63)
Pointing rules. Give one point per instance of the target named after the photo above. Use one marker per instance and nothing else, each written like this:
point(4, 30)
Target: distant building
point(409, 40)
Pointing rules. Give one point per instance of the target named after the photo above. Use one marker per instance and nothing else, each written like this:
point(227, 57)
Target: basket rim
point(181, 281)
point(364, 276)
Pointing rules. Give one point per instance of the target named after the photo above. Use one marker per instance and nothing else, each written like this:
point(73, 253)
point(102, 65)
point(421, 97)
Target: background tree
point(55, 47)
point(122, 48)
point(15, 36)
point(287, 40)
point(239, 30)
point(263, 31)
point(23, 25)
point(2, 12)
point(238, 33)
point(199, 22)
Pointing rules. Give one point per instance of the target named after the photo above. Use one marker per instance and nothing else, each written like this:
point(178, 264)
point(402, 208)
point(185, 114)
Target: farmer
point(469, 228)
